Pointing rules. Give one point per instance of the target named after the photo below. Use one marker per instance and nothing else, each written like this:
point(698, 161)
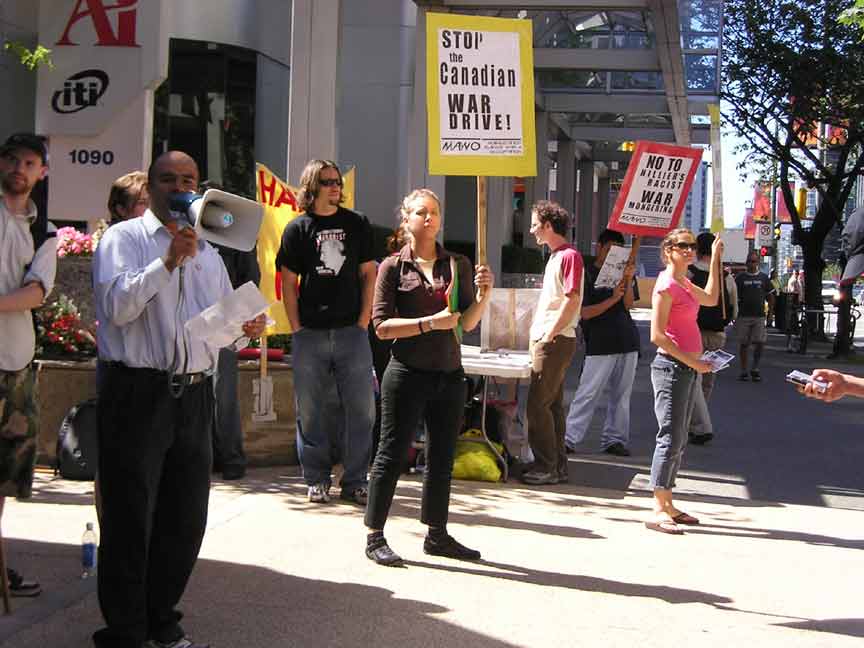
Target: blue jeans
point(322, 357)
point(609, 376)
point(227, 427)
point(675, 386)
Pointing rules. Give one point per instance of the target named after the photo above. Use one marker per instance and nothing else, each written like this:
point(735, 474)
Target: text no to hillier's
point(482, 76)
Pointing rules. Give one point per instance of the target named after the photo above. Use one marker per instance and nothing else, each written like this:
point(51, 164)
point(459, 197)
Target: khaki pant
point(545, 409)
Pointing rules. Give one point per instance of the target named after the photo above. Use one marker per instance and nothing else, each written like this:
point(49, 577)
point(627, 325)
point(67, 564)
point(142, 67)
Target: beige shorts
point(751, 330)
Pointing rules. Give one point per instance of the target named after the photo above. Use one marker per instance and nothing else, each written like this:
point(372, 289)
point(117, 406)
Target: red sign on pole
point(655, 189)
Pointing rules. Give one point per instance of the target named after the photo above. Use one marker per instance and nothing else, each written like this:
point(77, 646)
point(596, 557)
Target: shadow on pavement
point(849, 627)
point(582, 583)
point(234, 605)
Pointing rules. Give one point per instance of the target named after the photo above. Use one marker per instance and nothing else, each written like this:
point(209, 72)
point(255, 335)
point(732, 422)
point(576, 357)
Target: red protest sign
point(655, 189)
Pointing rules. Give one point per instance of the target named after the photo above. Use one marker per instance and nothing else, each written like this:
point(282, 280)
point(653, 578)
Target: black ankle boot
point(378, 550)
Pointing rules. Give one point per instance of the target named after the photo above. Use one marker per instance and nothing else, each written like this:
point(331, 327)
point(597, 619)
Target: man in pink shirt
point(554, 340)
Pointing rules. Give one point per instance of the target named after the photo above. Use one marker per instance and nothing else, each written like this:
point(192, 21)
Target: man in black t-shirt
point(612, 352)
point(754, 290)
point(328, 280)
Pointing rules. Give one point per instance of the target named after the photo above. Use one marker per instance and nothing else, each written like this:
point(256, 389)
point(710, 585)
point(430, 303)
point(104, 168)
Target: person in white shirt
point(155, 411)
point(554, 338)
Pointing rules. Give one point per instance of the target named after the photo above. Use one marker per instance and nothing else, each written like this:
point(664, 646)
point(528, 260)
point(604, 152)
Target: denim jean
point(610, 377)
point(700, 421)
point(407, 395)
point(227, 428)
point(322, 357)
point(675, 385)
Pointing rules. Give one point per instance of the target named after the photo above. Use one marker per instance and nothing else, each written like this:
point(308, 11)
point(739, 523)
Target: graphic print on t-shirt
point(331, 252)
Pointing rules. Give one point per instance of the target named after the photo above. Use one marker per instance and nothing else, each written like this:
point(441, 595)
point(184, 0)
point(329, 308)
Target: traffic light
point(764, 251)
point(777, 232)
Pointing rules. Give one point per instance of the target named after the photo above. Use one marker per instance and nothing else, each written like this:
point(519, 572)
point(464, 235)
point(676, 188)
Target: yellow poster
point(480, 95)
point(717, 220)
point(280, 208)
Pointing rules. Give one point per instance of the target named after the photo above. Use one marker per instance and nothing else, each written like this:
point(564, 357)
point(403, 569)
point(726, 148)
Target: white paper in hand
point(222, 323)
point(613, 267)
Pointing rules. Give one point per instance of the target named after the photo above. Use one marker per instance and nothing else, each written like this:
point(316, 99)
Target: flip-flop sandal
point(684, 518)
point(664, 526)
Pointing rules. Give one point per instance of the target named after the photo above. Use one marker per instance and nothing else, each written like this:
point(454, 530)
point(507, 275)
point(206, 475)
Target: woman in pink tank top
point(676, 370)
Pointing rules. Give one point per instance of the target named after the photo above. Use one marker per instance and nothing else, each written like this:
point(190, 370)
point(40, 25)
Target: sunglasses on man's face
point(684, 246)
point(330, 182)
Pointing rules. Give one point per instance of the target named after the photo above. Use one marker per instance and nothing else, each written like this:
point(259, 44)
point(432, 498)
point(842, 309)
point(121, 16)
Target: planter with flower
point(74, 269)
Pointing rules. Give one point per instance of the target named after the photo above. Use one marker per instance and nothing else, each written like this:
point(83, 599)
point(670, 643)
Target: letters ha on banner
point(480, 96)
point(655, 189)
point(280, 208)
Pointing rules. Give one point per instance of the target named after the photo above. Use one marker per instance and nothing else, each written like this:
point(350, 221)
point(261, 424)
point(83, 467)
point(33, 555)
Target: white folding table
point(503, 363)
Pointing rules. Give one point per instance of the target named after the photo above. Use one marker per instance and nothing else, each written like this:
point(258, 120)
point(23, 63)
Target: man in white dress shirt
point(155, 412)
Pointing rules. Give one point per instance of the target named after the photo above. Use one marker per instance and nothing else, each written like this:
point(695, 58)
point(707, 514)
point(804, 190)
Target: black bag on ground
point(78, 443)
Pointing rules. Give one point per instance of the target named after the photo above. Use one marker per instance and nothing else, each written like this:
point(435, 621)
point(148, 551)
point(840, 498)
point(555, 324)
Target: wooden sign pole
point(481, 222)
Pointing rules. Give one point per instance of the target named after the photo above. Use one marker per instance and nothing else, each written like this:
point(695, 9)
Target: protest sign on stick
point(655, 189)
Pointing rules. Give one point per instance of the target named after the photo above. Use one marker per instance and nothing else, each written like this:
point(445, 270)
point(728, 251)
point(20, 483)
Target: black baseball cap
point(29, 141)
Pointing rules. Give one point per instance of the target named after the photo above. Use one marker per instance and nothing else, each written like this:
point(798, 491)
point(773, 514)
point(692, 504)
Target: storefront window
point(206, 108)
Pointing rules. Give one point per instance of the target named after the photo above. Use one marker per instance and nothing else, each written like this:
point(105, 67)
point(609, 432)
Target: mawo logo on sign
point(80, 91)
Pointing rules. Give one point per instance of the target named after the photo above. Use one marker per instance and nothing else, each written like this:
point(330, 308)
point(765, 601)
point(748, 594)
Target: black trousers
point(406, 395)
point(154, 478)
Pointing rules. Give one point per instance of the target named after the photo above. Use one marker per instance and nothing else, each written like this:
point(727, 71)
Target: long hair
point(669, 240)
point(125, 192)
point(400, 236)
point(310, 182)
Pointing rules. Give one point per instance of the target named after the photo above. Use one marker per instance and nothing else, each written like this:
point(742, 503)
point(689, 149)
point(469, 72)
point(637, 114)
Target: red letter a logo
point(98, 14)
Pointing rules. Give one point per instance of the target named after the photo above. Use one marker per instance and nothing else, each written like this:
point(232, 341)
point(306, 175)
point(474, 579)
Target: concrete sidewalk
point(563, 565)
point(774, 563)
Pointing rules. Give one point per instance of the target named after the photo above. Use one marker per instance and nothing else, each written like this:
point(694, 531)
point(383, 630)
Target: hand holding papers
point(613, 267)
point(718, 359)
point(222, 323)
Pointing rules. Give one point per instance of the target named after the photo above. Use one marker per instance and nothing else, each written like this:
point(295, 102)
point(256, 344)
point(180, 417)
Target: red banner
point(655, 189)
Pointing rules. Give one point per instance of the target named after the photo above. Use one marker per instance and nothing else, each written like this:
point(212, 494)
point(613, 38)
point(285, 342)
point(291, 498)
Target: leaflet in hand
point(222, 323)
point(613, 267)
point(719, 359)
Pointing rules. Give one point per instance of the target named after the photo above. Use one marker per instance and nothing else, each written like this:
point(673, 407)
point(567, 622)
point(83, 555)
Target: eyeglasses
point(330, 182)
point(684, 246)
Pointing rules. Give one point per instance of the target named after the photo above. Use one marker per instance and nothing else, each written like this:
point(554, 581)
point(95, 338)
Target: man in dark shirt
point(328, 280)
point(754, 289)
point(612, 352)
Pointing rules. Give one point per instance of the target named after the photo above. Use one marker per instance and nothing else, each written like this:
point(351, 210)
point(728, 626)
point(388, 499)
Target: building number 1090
point(83, 156)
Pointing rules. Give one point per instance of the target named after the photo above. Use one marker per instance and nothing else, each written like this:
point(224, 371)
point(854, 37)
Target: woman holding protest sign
point(424, 295)
point(675, 370)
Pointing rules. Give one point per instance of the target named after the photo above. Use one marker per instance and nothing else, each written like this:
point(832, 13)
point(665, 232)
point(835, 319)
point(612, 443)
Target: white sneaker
point(319, 493)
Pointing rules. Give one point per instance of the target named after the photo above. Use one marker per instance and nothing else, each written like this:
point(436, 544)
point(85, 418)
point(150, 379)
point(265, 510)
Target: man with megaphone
point(152, 274)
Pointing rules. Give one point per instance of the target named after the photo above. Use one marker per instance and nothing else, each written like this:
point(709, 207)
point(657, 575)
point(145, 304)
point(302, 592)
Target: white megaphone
point(219, 217)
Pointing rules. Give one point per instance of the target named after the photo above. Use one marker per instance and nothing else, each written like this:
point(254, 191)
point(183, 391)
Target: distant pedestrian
point(424, 380)
point(754, 290)
point(712, 328)
point(554, 338)
point(674, 371)
point(611, 354)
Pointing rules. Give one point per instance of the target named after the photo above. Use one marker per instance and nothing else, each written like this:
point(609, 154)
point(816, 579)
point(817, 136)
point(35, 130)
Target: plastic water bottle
point(88, 552)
